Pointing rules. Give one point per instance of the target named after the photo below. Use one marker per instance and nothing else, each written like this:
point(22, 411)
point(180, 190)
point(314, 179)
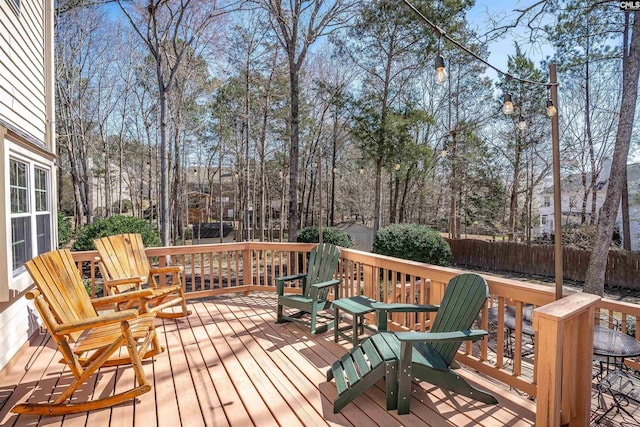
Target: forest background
point(260, 112)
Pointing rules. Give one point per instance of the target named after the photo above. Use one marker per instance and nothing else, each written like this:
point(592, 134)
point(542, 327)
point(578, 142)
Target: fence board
point(623, 267)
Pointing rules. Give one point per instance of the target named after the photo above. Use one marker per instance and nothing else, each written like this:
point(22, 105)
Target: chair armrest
point(280, 281)
point(135, 280)
point(92, 322)
point(125, 296)
point(382, 309)
point(466, 335)
point(404, 308)
point(322, 285)
point(291, 277)
point(166, 269)
point(315, 288)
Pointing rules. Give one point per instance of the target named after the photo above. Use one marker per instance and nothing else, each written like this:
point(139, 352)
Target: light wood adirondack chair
point(125, 266)
point(316, 283)
point(400, 357)
point(70, 317)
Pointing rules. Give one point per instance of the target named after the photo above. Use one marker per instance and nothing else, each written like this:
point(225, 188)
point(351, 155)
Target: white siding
point(22, 68)
point(18, 321)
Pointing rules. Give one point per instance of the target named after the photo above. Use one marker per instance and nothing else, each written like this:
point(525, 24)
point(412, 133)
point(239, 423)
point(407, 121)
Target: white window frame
point(543, 220)
point(19, 280)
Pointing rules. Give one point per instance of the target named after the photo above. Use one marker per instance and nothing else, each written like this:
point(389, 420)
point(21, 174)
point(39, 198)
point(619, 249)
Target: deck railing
point(246, 267)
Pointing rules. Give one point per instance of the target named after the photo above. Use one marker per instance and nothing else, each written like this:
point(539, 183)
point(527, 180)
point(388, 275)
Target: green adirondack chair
point(399, 357)
point(316, 283)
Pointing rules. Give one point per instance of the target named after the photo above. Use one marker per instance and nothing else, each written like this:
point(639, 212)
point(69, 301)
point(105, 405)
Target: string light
point(441, 71)
point(507, 107)
point(442, 34)
point(522, 124)
point(551, 109)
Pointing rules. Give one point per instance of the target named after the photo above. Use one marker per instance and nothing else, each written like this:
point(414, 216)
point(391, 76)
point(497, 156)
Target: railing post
point(247, 266)
point(563, 353)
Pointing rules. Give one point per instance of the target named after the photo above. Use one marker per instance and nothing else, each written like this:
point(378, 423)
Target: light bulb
point(361, 171)
point(397, 166)
point(522, 125)
point(443, 153)
point(551, 109)
point(507, 107)
point(441, 71)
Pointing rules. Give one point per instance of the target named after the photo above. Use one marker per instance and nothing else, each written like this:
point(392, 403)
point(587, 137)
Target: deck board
point(230, 364)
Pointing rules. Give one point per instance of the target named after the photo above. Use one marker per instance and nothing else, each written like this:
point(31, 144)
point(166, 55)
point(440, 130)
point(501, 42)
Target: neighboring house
point(362, 235)
point(27, 160)
point(572, 194)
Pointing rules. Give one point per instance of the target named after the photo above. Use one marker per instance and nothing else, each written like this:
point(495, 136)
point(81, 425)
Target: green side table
point(357, 307)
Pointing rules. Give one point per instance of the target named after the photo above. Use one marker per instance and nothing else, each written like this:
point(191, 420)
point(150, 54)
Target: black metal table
point(510, 318)
point(614, 344)
point(510, 324)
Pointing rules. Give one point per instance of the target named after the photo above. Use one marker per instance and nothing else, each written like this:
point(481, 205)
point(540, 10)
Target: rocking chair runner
point(124, 266)
point(400, 357)
point(70, 317)
point(316, 283)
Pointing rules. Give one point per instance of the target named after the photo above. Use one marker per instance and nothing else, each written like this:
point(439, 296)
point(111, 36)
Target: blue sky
point(479, 16)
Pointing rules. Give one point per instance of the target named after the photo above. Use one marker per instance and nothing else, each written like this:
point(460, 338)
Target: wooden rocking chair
point(70, 317)
point(124, 266)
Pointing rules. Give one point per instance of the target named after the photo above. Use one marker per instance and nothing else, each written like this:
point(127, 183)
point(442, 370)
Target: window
point(547, 201)
point(20, 218)
point(43, 214)
point(30, 211)
point(15, 5)
point(543, 220)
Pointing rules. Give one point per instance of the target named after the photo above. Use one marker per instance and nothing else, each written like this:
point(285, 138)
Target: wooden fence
point(623, 267)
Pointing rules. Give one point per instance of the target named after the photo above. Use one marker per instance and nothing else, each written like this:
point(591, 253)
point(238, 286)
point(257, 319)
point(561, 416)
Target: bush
point(413, 242)
point(116, 224)
point(64, 230)
point(329, 235)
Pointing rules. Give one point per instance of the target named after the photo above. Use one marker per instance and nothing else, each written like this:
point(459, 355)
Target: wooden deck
point(228, 363)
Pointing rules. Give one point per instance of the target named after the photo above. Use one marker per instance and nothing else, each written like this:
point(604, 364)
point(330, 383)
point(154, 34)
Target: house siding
point(26, 130)
point(22, 70)
point(571, 201)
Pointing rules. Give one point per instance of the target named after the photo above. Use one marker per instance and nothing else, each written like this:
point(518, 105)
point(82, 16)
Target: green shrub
point(64, 230)
point(413, 242)
point(329, 235)
point(116, 224)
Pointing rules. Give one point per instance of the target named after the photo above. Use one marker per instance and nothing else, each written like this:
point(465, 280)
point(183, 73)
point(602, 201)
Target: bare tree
point(298, 24)
point(594, 280)
point(169, 30)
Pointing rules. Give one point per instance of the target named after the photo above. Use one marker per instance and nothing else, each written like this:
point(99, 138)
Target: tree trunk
point(594, 280)
point(294, 149)
point(513, 204)
point(377, 205)
point(626, 231)
point(164, 164)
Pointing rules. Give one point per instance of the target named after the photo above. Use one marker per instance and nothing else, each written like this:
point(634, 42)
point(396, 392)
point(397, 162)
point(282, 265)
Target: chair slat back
point(58, 280)
point(123, 256)
point(463, 299)
point(323, 261)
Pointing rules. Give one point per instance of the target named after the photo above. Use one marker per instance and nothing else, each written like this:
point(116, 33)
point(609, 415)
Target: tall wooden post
point(557, 194)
